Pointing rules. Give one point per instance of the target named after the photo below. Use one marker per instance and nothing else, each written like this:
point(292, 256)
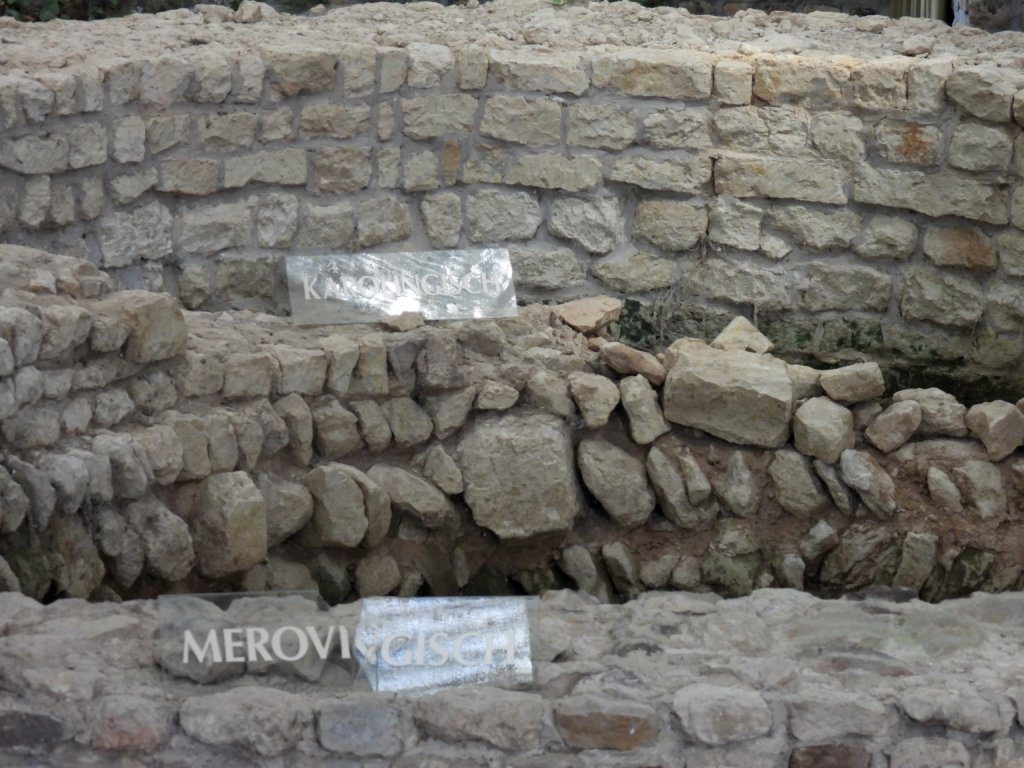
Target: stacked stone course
point(775, 679)
point(144, 448)
point(858, 204)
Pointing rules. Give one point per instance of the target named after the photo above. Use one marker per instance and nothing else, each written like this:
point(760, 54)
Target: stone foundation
point(775, 679)
point(855, 184)
point(147, 449)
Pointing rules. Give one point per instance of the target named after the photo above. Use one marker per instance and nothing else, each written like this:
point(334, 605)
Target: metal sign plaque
point(364, 287)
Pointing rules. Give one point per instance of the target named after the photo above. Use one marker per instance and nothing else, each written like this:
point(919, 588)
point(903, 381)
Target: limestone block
point(790, 79)
point(940, 193)
point(670, 74)
point(886, 237)
point(300, 69)
point(535, 122)
point(288, 167)
point(678, 128)
point(636, 273)
point(940, 298)
point(519, 474)
point(682, 173)
point(342, 169)
point(741, 397)
point(966, 247)
point(640, 401)
point(733, 81)
point(411, 493)
point(548, 72)
point(617, 480)
point(545, 268)
point(712, 714)
point(552, 171)
point(823, 429)
point(230, 527)
point(999, 425)
point(494, 215)
point(669, 224)
point(596, 224)
point(894, 426)
point(797, 489)
point(780, 178)
point(339, 513)
point(600, 126)
point(427, 117)
point(126, 237)
point(984, 90)
point(853, 383)
point(861, 472)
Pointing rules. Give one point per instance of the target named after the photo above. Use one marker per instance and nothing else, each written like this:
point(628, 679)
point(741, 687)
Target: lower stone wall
point(776, 679)
point(146, 449)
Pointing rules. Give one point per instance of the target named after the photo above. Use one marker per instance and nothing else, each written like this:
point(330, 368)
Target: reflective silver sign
point(363, 287)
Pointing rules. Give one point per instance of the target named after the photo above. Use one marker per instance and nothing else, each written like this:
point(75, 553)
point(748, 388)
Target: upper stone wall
point(855, 183)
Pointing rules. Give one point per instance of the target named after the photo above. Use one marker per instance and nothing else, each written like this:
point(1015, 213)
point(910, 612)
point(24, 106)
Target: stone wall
point(867, 201)
point(772, 680)
point(146, 449)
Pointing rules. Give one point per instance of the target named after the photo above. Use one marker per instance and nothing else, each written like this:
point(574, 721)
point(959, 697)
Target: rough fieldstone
point(534, 122)
point(626, 360)
point(740, 334)
point(981, 483)
point(339, 510)
point(509, 720)
point(411, 493)
point(595, 224)
point(923, 752)
point(894, 426)
point(591, 313)
point(640, 401)
point(289, 506)
point(166, 541)
point(796, 487)
point(944, 491)
point(550, 391)
point(669, 224)
point(818, 714)
point(999, 425)
point(546, 268)
point(679, 484)
point(670, 73)
point(519, 474)
point(966, 247)
point(740, 490)
point(554, 171)
point(917, 560)
point(823, 429)
point(230, 528)
point(874, 485)
point(853, 383)
point(410, 424)
point(738, 396)
point(938, 193)
point(715, 715)
point(264, 720)
point(155, 324)
point(594, 722)
point(941, 414)
point(984, 91)
point(886, 237)
point(496, 396)
point(360, 725)
point(596, 397)
point(617, 480)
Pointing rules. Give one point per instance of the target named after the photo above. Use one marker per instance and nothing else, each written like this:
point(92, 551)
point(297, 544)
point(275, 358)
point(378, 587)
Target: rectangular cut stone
point(738, 396)
point(550, 171)
point(827, 286)
point(544, 72)
point(430, 116)
point(736, 282)
point(944, 193)
point(781, 178)
point(670, 74)
point(284, 166)
point(675, 173)
point(789, 79)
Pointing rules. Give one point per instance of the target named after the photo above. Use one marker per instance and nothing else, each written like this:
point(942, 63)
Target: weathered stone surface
point(679, 484)
point(823, 429)
point(740, 334)
point(594, 395)
point(166, 543)
point(504, 719)
point(592, 722)
point(894, 426)
point(617, 480)
point(411, 493)
point(622, 358)
point(360, 725)
point(796, 487)
point(917, 560)
point(935, 194)
point(339, 511)
point(154, 321)
point(715, 715)
point(853, 383)
point(640, 401)
point(492, 215)
point(944, 491)
point(230, 530)
point(941, 414)
point(862, 473)
point(981, 483)
point(596, 224)
point(670, 225)
point(738, 396)
point(636, 273)
point(740, 489)
point(780, 178)
point(264, 720)
point(940, 298)
point(984, 91)
point(999, 425)
point(519, 475)
point(590, 314)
